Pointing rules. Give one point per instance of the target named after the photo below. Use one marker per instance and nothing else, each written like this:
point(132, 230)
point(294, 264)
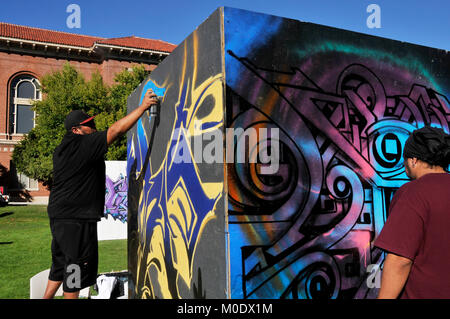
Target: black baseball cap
point(77, 118)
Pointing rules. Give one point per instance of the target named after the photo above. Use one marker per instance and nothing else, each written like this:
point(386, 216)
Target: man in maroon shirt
point(416, 235)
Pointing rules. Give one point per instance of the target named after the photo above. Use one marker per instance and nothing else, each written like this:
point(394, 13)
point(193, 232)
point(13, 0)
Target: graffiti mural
point(178, 201)
point(333, 109)
point(116, 199)
point(345, 104)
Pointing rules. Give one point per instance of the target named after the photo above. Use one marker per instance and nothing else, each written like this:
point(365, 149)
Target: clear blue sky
point(424, 22)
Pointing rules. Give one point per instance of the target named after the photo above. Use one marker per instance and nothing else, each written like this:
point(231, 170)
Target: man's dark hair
point(430, 145)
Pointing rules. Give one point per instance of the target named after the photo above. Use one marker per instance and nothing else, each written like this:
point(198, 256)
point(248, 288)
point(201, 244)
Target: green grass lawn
point(25, 249)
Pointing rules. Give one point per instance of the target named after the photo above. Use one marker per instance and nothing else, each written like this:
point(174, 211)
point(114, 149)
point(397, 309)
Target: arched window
point(25, 89)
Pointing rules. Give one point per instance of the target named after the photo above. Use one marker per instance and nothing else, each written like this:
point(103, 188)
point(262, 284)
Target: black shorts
point(74, 253)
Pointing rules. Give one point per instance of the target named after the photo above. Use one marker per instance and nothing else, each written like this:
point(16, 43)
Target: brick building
point(27, 54)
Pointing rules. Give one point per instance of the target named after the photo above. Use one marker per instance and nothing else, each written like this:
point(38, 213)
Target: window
point(25, 89)
point(20, 181)
point(24, 182)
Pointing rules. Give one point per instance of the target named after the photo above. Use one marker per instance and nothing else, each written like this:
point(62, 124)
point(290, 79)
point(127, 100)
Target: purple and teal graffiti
point(116, 200)
point(345, 105)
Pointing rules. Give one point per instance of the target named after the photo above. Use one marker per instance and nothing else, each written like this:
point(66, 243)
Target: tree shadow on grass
point(4, 215)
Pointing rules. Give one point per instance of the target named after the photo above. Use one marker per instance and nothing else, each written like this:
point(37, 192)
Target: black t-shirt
point(78, 190)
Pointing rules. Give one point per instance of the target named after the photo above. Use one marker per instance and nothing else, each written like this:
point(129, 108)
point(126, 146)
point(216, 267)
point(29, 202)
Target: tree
point(67, 90)
point(125, 83)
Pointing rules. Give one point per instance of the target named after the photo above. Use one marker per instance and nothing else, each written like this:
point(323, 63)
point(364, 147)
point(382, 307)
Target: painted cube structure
point(330, 109)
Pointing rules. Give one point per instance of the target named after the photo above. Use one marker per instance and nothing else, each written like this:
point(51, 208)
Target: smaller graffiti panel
point(116, 201)
point(114, 223)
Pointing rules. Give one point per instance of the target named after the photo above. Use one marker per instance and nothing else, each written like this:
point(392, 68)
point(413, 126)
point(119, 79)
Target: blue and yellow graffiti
point(175, 204)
